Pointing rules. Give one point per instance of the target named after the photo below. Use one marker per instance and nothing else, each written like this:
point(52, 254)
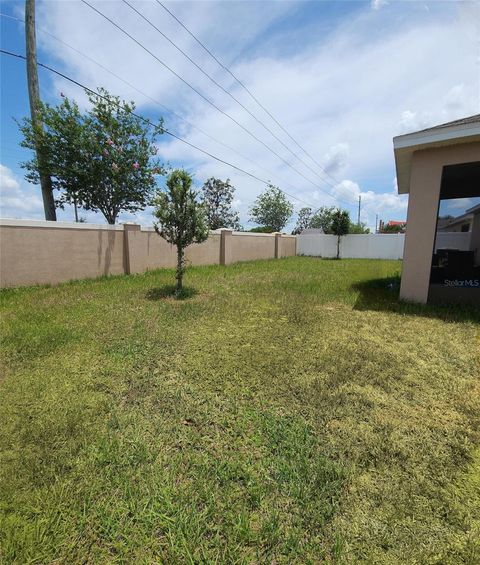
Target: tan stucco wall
point(33, 255)
point(288, 246)
point(206, 253)
point(154, 252)
point(245, 247)
point(44, 252)
point(426, 176)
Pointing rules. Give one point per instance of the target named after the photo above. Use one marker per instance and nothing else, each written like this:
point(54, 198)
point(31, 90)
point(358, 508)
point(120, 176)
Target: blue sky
point(342, 77)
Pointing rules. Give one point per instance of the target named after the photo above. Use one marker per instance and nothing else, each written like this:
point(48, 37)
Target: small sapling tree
point(340, 226)
point(181, 218)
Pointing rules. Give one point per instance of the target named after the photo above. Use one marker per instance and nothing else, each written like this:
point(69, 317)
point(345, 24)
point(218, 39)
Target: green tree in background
point(102, 159)
point(262, 229)
point(303, 221)
point(217, 198)
point(272, 209)
point(322, 219)
point(181, 218)
point(358, 228)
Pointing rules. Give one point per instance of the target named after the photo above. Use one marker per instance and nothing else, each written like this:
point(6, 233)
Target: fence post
point(226, 247)
point(278, 237)
point(129, 259)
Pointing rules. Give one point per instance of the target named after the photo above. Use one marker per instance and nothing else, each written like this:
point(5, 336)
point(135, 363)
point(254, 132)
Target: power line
point(204, 97)
point(146, 120)
point(205, 48)
point(228, 93)
point(157, 102)
point(153, 100)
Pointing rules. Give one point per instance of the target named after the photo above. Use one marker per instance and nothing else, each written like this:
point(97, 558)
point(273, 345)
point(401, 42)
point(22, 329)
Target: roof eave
point(435, 136)
point(405, 145)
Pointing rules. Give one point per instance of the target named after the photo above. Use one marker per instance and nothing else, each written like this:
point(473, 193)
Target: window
point(455, 270)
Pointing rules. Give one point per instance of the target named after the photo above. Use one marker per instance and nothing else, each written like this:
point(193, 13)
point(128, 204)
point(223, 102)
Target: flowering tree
point(181, 218)
point(102, 159)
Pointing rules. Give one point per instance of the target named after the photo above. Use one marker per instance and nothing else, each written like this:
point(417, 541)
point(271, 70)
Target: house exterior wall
point(426, 175)
point(458, 227)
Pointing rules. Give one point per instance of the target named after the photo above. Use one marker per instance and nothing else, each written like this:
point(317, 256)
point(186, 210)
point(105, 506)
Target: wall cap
point(253, 234)
point(11, 222)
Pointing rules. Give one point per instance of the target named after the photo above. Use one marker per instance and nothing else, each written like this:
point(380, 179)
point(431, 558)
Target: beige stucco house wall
point(420, 159)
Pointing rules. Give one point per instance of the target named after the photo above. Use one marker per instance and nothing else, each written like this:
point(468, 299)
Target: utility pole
point(34, 96)
point(359, 205)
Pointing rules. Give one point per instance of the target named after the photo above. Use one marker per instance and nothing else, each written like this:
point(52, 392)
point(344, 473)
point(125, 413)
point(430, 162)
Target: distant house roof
point(396, 222)
point(445, 223)
point(454, 221)
point(459, 131)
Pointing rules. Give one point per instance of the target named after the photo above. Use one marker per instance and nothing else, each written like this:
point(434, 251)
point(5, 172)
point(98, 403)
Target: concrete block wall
point(40, 252)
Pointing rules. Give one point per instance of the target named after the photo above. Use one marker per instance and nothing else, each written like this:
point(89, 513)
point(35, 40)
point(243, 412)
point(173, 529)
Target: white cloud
point(372, 203)
point(16, 199)
point(460, 203)
point(336, 158)
point(9, 185)
point(377, 4)
point(414, 121)
point(456, 99)
point(343, 95)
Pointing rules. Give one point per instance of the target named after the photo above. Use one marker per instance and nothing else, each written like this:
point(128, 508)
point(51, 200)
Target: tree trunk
point(76, 210)
point(110, 216)
point(34, 96)
point(180, 269)
point(338, 247)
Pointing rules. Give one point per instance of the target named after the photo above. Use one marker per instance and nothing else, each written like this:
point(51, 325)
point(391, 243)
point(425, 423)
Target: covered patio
point(439, 168)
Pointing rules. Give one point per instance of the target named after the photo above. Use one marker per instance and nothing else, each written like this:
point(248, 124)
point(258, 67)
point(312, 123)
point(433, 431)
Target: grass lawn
point(288, 411)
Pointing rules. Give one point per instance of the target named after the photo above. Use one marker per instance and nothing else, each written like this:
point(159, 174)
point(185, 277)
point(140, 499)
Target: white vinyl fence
point(370, 246)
